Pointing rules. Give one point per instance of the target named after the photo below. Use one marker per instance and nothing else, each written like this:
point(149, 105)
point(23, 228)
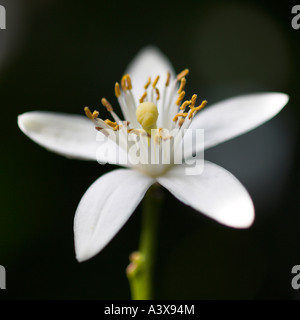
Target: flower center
point(175, 112)
point(153, 133)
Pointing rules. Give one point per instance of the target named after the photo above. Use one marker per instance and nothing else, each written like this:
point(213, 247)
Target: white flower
point(110, 200)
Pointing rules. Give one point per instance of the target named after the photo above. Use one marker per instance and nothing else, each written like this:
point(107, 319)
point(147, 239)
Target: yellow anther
point(182, 85)
point(193, 101)
point(89, 114)
point(123, 83)
point(110, 123)
point(160, 136)
point(196, 109)
point(147, 84)
point(168, 79)
point(157, 138)
point(183, 74)
point(146, 115)
point(95, 114)
point(180, 115)
point(107, 105)
point(117, 90)
point(157, 94)
point(126, 82)
point(129, 84)
point(143, 97)
point(167, 138)
point(181, 96)
point(185, 104)
point(138, 132)
point(202, 105)
point(155, 82)
point(116, 128)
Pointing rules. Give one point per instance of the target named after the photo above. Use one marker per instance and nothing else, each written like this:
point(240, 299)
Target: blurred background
point(61, 55)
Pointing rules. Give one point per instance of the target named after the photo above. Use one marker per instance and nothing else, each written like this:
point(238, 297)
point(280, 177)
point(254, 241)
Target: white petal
point(215, 193)
point(233, 117)
point(73, 136)
point(149, 62)
point(104, 209)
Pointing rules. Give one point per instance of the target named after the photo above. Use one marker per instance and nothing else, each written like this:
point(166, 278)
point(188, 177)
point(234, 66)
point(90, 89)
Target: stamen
point(129, 84)
point(167, 138)
point(143, 97)
point(95, 114)
point(126, 82)
point(147, 84)
point(180, 115)
point(168, 79)
point(89, 114)
point(193, 101)
point(107, 105)
point(139, 132)
point(195, 110)
point(201, 106)
point(155, 82)
point(110, 123)
point(182, 85)
point(157, 94)
point(123, 83)
point(159, 136)
point(117, 90)
point(183, 74)
point(109, 108)
point(181, 96)
point(185, 104)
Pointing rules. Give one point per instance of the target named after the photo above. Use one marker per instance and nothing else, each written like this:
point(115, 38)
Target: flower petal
point(149, 62)
point(216, 193)
point(73, 136)
point(233, 117)
point(104, 209)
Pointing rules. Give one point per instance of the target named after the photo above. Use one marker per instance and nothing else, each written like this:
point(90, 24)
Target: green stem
point(140, 270)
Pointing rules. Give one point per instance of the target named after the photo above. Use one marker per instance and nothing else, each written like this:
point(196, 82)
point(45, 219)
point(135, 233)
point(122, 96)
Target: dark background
point(61, 55)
